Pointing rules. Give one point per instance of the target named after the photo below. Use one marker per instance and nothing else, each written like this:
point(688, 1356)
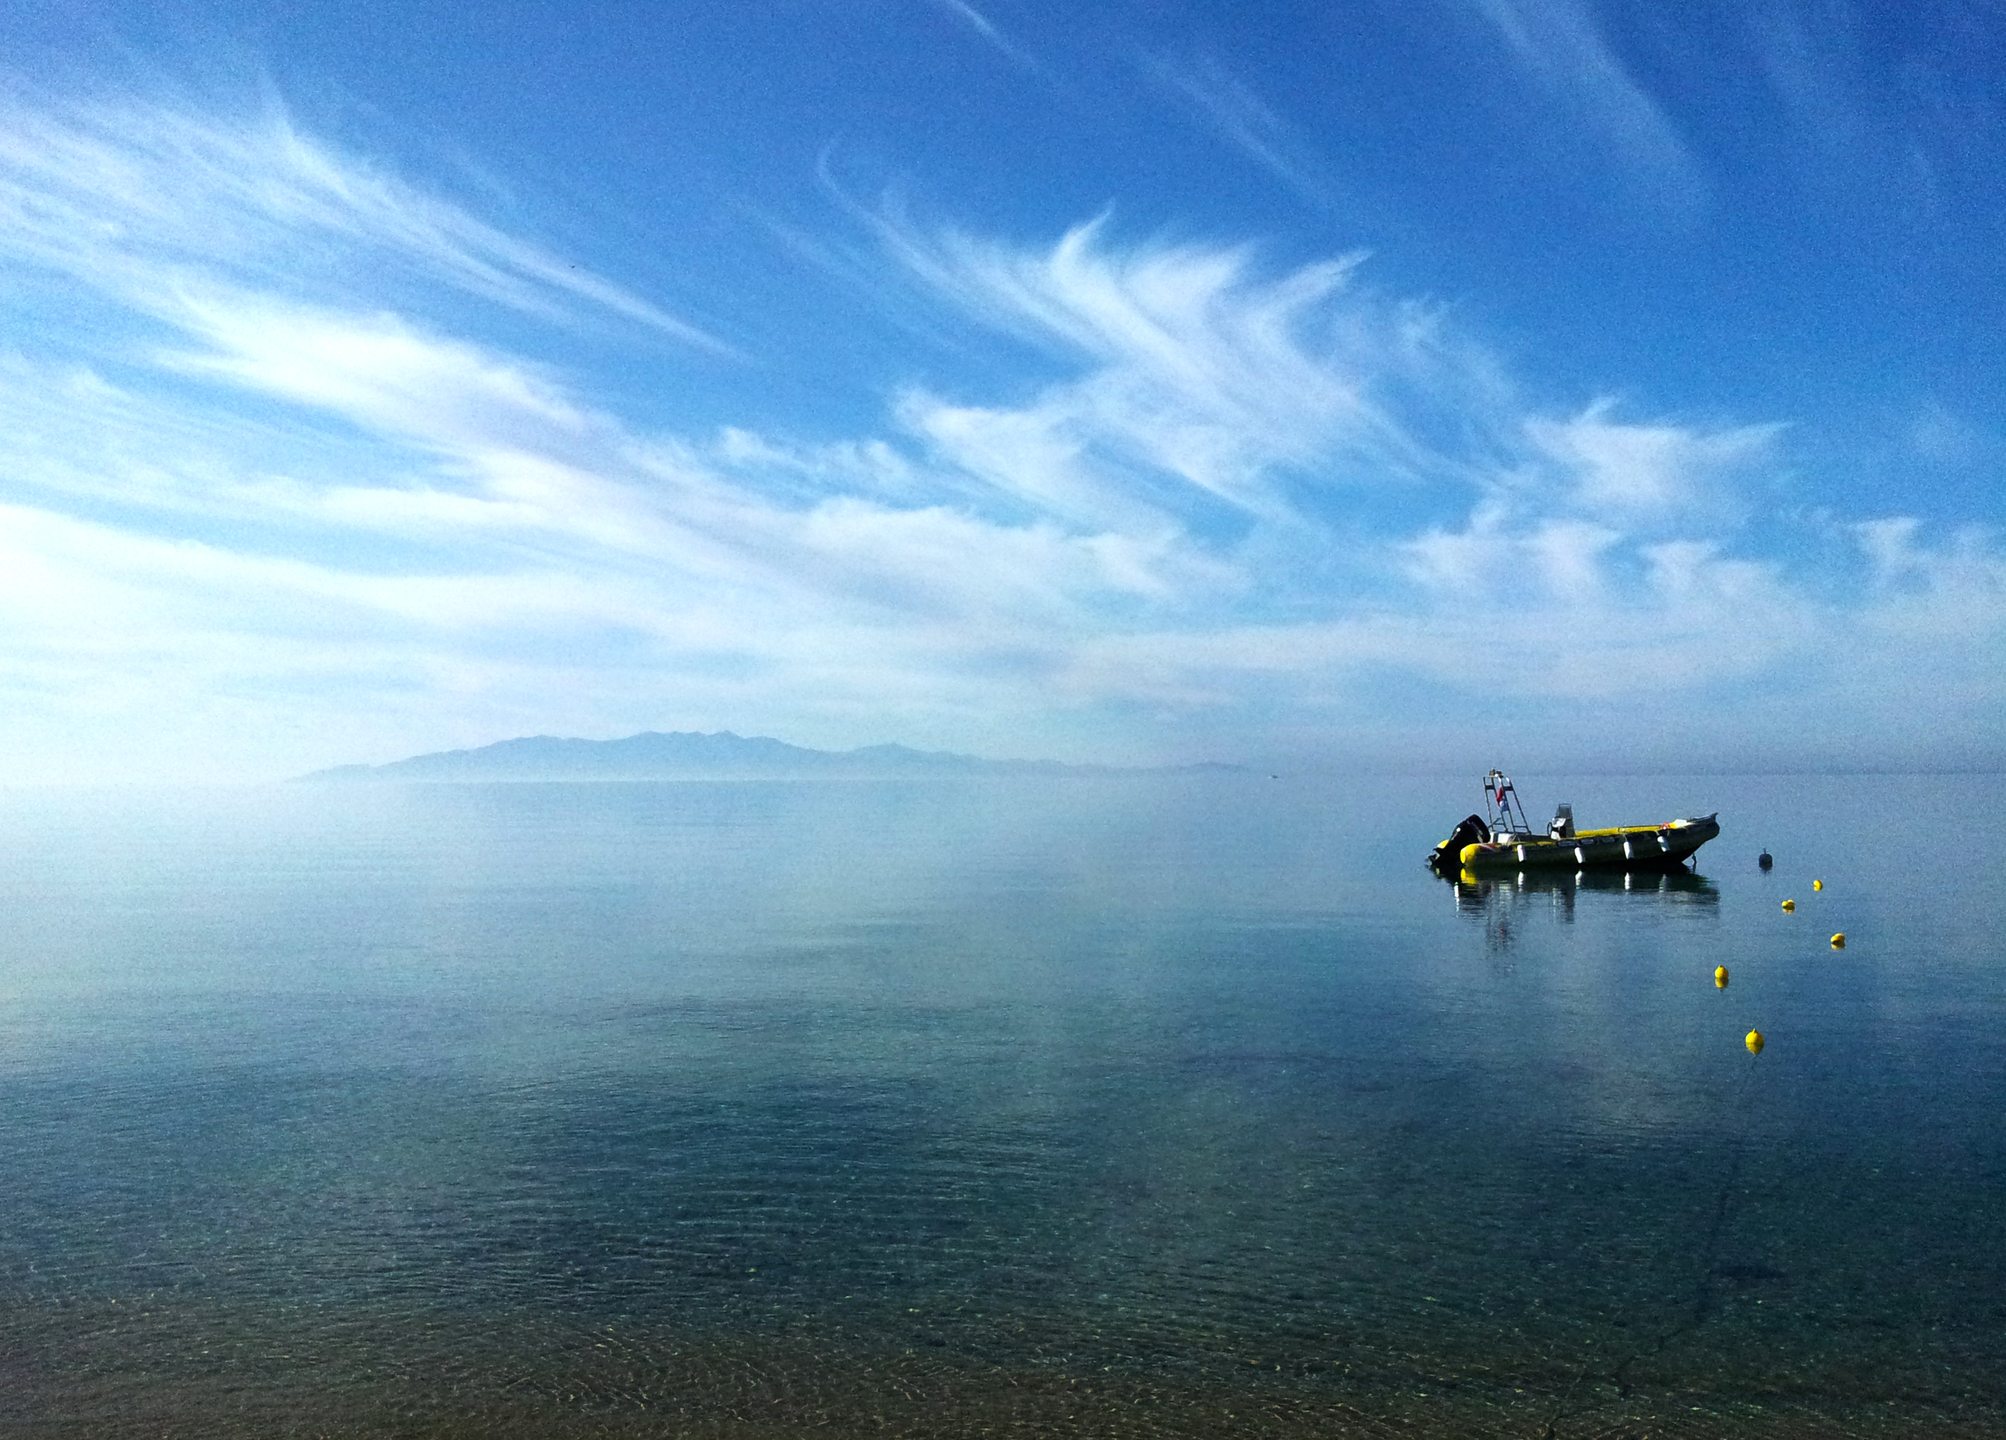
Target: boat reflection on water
point(1500, 901)
point(1679, 882)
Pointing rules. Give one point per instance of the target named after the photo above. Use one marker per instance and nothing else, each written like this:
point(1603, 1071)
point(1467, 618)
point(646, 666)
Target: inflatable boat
point(1502, 839)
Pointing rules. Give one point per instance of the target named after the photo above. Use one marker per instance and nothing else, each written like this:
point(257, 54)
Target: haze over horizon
point(1549, 383)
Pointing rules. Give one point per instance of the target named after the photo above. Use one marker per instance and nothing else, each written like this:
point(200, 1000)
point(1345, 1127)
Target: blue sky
point(1430, 384)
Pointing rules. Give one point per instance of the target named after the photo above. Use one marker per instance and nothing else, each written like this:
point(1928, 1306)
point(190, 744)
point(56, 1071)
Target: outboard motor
point(1449, 854)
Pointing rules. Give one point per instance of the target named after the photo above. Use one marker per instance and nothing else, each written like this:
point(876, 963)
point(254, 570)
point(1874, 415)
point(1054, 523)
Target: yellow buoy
point(1754, 1042)
point(1817, 884)
point(1839, 941)
point(1720, 977)
point(1789, 904)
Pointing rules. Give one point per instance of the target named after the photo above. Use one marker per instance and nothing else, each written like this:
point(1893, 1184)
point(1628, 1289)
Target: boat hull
point(1625, 847)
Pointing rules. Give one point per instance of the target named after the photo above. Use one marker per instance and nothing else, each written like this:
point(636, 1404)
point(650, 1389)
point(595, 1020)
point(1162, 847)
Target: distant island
point(685, 755)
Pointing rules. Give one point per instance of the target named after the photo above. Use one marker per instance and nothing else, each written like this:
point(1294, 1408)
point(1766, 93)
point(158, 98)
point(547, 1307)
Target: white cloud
point(1247, 121)
point(1221, 491)
point(1036, 455)
point(1941, 436)
point(1647, 472)
point(983, 26)
point(133, 197)
point(1562, 47)
point(1955, 587)
point(378, 371)
point(1197, 372)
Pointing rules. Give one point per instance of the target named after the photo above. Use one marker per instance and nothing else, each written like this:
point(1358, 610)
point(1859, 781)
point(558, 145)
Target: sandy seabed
point(110, 1371)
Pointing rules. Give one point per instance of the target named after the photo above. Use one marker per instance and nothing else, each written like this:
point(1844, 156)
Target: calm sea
point(1145, 1107)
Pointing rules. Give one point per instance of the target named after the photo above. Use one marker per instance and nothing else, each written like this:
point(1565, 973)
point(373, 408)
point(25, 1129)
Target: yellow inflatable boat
point(1502, 839)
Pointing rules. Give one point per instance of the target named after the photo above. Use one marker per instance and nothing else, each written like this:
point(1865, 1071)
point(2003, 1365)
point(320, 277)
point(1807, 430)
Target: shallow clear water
point(1138, 1106)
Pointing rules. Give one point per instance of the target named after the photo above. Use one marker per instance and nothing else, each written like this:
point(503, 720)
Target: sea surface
point(1130, 1106)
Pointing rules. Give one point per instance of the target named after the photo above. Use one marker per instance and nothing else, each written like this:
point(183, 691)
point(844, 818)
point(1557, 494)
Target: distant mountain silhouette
point(686, 755)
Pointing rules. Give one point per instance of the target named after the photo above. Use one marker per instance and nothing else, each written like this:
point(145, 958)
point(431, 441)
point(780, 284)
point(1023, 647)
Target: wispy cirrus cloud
point(1562, 47)
point(344, 515)
point(983, 26)
point(1895, 129)
point(1194, 371)
point(1232, 108)
point(150, 197)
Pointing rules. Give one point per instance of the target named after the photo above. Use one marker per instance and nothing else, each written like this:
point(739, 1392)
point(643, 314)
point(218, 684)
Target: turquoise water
point(1167, 1106)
